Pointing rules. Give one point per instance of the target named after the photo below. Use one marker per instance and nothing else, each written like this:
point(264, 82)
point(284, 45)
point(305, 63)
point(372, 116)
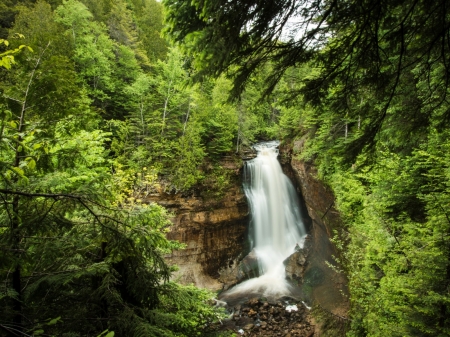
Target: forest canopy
point(359, 50)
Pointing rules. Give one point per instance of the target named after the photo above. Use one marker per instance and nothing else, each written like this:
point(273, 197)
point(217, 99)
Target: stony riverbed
point(259, 317)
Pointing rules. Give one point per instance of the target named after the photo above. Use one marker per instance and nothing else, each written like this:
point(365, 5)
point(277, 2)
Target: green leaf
point(106, 333)
point(18, 170)
point(54, 321)
point(31, 164)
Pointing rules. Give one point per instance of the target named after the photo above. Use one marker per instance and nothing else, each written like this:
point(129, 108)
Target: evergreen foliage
point(81, 255)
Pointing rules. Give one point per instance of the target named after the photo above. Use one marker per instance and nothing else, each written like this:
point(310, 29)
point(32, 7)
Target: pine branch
point(56, 196)
point(59, 196)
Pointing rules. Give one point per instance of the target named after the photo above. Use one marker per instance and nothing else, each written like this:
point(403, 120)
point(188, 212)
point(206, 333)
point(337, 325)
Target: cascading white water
point(276, 221)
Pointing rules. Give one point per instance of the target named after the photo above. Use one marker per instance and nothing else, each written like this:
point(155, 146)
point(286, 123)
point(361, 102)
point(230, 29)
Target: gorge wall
point(319, 199)
point(327, 286)
point(214, 229)
point(215, 232)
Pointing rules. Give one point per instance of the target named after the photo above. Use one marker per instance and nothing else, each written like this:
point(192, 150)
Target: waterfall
point(276, 219)
point(276, 225)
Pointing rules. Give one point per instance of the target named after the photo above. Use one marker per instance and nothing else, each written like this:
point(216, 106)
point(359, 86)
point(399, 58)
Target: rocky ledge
point(258, 317)
point(248, 267)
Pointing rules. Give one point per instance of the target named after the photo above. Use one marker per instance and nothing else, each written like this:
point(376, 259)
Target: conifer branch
point(56, 196)
point(59, 196)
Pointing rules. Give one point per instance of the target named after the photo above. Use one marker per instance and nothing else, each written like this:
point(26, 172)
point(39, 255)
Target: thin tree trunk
point(359, 116)
point(166, 103)
point(15, 221)
point(239, 127)
point(187, 115)
point(141, 111)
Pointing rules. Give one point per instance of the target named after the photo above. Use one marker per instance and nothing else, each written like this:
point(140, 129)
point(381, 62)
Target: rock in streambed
point(259, 317)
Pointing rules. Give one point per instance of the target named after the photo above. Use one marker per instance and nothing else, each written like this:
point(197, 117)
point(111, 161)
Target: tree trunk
point(15, 217)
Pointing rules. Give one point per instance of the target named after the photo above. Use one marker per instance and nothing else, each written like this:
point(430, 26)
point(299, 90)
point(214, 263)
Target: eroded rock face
point(213, 229)
point(327, 286)
point(319, 198)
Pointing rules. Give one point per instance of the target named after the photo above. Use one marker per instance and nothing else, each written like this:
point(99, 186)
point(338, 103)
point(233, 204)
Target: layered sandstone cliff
point(214, 230)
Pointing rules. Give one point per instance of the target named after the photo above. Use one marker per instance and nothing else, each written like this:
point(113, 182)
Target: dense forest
point(97, 109)
point(103, 101)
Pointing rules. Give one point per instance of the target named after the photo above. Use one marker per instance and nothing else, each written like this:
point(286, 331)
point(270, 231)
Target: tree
point(8, 11)
point(149, 17)
point(359, 47)
point(93, 49)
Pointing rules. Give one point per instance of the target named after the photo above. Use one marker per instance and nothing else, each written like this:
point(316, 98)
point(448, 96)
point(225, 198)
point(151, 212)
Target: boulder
point(246, 269)
point(295, 265)
point(249, 326)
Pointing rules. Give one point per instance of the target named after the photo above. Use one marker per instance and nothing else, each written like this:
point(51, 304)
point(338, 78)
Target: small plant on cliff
point(217, 180)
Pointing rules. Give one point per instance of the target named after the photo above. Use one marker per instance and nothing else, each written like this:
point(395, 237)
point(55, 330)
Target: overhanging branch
point(59, 196)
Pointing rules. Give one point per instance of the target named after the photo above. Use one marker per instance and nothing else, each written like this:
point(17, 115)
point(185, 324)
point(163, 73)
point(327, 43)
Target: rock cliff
point(214, 230)
point(321, 281)
point(215, 233)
